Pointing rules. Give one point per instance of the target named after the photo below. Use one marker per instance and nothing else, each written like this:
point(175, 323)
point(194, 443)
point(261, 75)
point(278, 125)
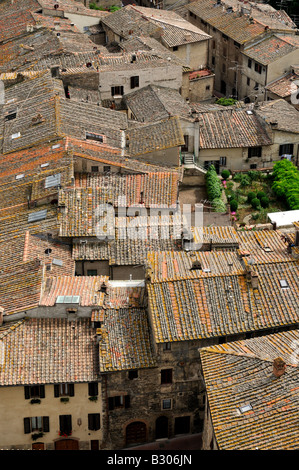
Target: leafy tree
point(264, 202)
point(213, 184)
point(286, 183)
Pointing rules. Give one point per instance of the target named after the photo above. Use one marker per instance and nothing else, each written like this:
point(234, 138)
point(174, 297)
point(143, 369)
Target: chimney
point(279, 367)
point(1, 315)
point(254, 279)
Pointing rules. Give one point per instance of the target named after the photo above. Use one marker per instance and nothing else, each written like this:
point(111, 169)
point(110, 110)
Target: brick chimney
point(279, 367)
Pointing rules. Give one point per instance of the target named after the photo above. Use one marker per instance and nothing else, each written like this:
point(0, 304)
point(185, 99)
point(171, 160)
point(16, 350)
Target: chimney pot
point(279, 367)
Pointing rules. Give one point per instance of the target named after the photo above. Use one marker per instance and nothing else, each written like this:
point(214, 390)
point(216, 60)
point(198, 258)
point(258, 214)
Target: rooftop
point(47, 351)
point(272, 48)
point(239, 21)
point(240, 374)
point(280, 114)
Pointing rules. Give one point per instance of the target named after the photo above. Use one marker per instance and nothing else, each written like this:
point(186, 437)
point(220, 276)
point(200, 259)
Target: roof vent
point(279, 367)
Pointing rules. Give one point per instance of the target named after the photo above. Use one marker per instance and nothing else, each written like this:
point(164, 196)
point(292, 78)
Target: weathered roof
point(153, 103)
point(125, 341)
point(157, 136)
point(20, 287)
point(272, 48)
point(213, 305)
point(47, 351)
point(86, 287)
point(281, 113)
point(172, 29)
point(241, 27)
point(231, 129)
point(240, 374)
point(285, 86)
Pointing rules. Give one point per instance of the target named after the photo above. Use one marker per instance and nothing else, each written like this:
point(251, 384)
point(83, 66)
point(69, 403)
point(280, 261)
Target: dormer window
point(284, 284)
point(96, 137)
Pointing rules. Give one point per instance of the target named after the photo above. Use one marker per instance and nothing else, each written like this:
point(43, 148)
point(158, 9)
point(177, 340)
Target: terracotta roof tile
point(240, 373)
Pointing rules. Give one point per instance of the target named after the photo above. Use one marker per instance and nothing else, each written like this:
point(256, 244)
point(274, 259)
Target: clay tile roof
point(270, 49)
point(240, 374)
point(155, 137)
point(280, 112)
point(224, 304)
point(49, 350)
point(236, 25)
point(125, 341)
point(86, 287)
point(20, 287)
point(231, 129)
point(284, 86)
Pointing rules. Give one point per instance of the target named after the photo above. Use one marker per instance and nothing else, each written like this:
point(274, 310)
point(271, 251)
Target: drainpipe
point(196, 137)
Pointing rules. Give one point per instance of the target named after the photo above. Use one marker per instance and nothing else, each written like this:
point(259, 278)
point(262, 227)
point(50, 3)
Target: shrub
point(233, 205)
point(255, 216)
point(264, 201)
point(260, 195)
point(225, 174)
point(255, 203)
point(226, 101)
point(251, 195)
point(244, 181)
point(253, 175)
point(218, 205)
point(213, 184)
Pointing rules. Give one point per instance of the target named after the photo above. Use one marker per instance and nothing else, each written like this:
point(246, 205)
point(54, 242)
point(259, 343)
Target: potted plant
point(64, 399)
point(37, 435)
point(65, 433)
point(35, 400)
point(93, 398)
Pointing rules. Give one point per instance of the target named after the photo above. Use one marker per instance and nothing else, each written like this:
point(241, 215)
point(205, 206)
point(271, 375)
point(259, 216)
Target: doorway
point(135, 433)
point(161, 427)
point(67, 444)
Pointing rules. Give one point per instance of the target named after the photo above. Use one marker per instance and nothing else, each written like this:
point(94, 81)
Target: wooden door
point(136, 433)
point(38, 446)
point(67, 444)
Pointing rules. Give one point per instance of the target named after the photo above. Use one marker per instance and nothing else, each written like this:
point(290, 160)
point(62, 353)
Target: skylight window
point(245, 408)
point(16, 135)
point(68, 299)
point(52, 181)
point(284, 284)
point(19, 177)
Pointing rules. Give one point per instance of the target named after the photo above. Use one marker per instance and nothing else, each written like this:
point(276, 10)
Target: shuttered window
point(36, 423)
point(94, 421)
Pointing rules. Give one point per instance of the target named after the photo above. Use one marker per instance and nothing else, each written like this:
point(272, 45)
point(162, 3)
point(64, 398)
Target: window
point(258, 68)
point(166, 346)
point(284, 284)
point(213, 60)
point(224, 51)
point(286, 149)
point(213, 44)
point(167, 404)
point(225, 37)
point(253, 166)
point(223, 68)
point(35, 391)
point(166, 376)
point(92, 272)
point(65, 424)
point(175, 48)
point(93, 389)
point(222, 161)
point(117, 90)
point(120, 401)
point(64, 390)
point(36, 423)
point(207, 87)
point(94, 169)
point(107, 169)
point(254, 152)
point(249, 63)
point(92, 136)
point(256, 86)
point(236, 44)
point(94, 422)
point(132, 374)
point(10, 116)
point(248, 81)
point(134, 82)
